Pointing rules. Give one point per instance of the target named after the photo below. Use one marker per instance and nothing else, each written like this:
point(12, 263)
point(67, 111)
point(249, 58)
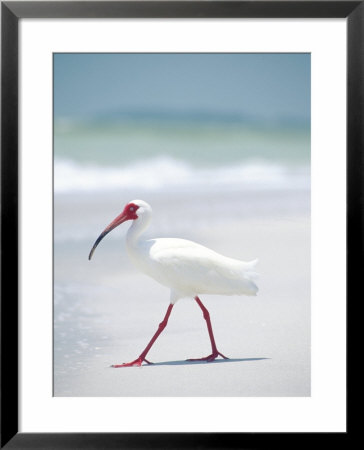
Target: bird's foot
point(137, 363)
point(209, 358)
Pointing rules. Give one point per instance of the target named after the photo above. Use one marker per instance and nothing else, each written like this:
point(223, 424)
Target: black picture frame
point(11, 12)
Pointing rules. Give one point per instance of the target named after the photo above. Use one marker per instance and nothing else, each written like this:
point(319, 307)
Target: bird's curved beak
point(116, 222)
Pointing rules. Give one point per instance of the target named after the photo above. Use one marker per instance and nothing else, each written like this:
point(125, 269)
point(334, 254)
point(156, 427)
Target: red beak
point(116, 222)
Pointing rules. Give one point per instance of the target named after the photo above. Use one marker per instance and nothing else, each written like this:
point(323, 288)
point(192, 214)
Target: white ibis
point(187, 268)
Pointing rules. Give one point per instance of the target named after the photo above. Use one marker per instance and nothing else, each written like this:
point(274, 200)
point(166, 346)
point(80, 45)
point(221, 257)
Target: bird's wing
point(197, 263)
point(189, 268)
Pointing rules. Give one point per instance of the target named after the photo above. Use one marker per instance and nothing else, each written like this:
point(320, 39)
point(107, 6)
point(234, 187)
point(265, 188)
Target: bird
point(187, 268)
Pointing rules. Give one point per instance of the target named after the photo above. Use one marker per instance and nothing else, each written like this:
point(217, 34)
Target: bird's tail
point(251, 275)
point(249, 271)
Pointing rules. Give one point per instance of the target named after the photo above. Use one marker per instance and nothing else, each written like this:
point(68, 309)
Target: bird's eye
point(131, 209)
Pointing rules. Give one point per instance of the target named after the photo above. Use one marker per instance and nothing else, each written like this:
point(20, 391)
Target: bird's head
point(132, 211)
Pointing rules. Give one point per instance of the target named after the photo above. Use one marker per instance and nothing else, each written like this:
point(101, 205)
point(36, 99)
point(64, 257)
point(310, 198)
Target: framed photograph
point(228, 136)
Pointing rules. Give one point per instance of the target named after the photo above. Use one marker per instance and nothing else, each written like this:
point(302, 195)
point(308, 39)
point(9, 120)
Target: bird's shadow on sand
point(191, 363)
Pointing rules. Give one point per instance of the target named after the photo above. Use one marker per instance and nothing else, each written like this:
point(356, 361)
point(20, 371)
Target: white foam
point(166, 173)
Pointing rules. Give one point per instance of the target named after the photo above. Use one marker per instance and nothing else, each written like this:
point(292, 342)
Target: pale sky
point(262, 86)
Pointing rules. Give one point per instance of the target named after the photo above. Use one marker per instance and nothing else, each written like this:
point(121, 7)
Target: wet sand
point(105, 311)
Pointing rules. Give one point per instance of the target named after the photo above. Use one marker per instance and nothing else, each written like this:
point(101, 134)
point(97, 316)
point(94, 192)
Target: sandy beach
point(105, 311)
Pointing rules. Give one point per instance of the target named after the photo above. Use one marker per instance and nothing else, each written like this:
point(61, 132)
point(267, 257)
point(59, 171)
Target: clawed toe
point(209, 358)
point(137, 363)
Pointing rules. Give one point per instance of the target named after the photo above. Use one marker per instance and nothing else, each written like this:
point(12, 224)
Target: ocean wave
point(162, 173)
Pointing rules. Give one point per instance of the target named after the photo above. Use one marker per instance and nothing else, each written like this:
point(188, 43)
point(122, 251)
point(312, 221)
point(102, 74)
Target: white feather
point(186, 267)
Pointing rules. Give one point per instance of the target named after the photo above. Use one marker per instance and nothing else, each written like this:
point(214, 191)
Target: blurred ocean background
point(157, 151)
point(219, 145)
point(181, 121)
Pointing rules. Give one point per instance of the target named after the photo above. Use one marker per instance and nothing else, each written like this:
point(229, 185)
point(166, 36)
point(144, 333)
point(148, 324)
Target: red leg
point(215, 353)
point(161, 327)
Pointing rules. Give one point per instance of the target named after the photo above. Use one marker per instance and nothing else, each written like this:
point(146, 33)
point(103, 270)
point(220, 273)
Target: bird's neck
point(137, 228)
